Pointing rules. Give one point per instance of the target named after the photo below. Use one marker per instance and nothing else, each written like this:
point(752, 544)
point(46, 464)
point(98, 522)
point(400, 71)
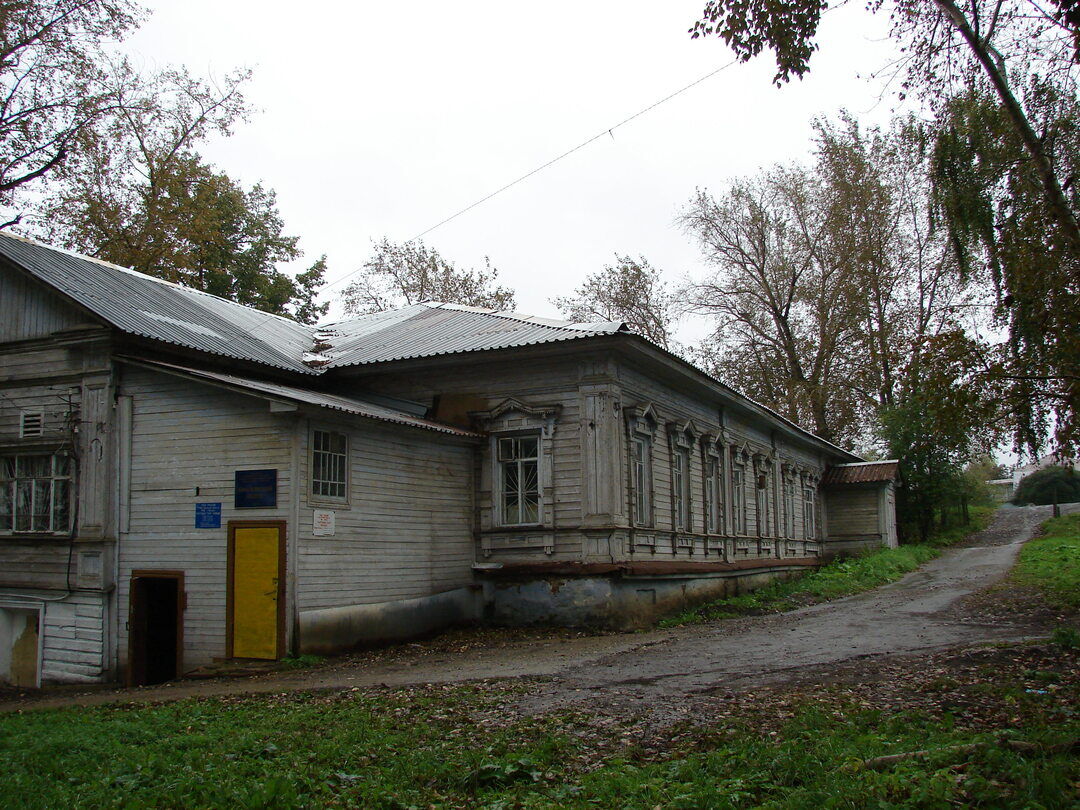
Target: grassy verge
point(1051, 563)
point(468, 746)
point(839, 578)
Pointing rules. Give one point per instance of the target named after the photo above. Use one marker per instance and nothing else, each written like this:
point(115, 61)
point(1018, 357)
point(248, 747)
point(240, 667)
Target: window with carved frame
point(738, 492)
point(809, 511)
point(518, 459)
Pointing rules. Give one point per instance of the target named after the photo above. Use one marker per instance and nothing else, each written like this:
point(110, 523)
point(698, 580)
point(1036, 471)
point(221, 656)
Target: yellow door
point(256, 569)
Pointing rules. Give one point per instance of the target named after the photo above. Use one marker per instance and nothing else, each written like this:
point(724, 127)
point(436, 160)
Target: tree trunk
point(1052, 191)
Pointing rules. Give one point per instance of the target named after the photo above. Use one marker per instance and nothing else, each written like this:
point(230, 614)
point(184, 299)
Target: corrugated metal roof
point(141, 305)
point(350, 405)
point(865, 472)
point(431, 329)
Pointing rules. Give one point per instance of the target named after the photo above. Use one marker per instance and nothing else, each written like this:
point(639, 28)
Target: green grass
point(426, 748)
point(1051, 563)
point(836, 579)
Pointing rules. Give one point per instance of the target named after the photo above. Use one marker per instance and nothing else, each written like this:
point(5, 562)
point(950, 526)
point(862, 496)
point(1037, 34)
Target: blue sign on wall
point(208, 516)
point(255, 489)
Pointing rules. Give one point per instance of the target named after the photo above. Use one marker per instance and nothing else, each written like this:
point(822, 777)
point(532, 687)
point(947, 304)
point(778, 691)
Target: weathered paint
point(342, 628)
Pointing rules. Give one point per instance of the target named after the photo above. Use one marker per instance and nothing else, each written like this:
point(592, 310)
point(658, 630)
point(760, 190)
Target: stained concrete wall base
point(834, 548)
point(343, 628)
point(615, 602)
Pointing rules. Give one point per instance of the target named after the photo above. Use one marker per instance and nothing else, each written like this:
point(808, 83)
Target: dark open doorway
point(156, 623)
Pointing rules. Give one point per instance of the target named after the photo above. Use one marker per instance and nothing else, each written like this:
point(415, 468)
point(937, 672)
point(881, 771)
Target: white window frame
point(518, 463)
point(61, 471)
point(315, 483)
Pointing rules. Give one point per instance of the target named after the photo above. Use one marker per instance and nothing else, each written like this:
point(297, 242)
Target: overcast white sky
point(384, 118)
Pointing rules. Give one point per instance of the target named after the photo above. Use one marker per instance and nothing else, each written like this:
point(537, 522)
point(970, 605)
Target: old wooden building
point(184, 479)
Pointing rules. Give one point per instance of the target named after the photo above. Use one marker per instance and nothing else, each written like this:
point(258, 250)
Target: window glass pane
point(530, 509)
point(7, 467)
point(24, 498)
point(6, 505)
point(62, 465)
point(527, 448)
point(61, 506)
point(506, 449)
point(42, 506)
point(33, 466)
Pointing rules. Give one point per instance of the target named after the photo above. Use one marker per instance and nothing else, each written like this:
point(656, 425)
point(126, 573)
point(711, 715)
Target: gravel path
point(916, 613)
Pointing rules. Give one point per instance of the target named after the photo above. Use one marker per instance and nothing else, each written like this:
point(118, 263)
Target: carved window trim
point(712, 485)
point(740, 463)
point(763, 466)
point(810, 481)
point(681, 439)
point(511, 419)
point(641, 424)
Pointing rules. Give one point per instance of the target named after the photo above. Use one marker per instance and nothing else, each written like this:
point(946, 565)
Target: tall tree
point(782, 307)
point(944, 415)
point(398, 274)
point(1019, 53)
point(631, 291)
point(53, 82)
point(825, 277)
point(137, 193)
point(989, 196)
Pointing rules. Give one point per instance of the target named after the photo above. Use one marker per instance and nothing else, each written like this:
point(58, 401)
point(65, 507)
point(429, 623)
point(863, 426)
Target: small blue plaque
point(255, 489)
point(208, 516)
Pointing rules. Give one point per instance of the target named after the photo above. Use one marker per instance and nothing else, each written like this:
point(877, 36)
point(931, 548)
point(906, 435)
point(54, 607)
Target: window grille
point(519, 466)
point(35, 493)
point(329, 465)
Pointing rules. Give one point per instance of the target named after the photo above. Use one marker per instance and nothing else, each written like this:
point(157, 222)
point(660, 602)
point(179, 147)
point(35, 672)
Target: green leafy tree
point(1022, 55)
point(138, 194)
point(943, 416)
point(411, 272)
point(631, 291)
point(1051, 485)
point(989, 197)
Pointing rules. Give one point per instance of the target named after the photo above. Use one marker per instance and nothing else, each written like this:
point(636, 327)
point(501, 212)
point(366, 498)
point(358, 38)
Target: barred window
point(329, 465)
point(35, 493)
point(519, 469)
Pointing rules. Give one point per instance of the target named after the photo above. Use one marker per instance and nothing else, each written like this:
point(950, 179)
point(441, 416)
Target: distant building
point(184, 479)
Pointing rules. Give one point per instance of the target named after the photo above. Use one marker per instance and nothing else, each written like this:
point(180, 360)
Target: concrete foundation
point(342, 628)
point(618, 602)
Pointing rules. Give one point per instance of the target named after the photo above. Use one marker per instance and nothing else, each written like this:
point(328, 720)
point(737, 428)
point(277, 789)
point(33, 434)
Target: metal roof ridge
point(164, 282)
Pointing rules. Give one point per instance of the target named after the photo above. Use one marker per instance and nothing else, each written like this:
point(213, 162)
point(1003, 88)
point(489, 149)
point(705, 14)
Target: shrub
point(1042, 486)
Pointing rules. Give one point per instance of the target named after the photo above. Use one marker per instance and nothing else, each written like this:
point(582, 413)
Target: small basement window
point(329, 465)
point(35, 493)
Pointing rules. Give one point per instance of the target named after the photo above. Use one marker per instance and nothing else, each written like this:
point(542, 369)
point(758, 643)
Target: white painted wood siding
point(187, 442)
point(406, 529)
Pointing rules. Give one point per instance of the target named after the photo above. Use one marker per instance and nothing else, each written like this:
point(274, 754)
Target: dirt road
point(923, 611)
